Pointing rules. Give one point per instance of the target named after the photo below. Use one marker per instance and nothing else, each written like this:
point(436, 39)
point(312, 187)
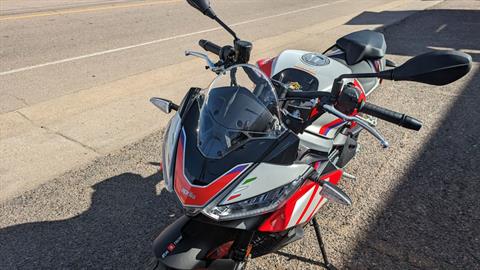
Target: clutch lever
point(210, 64)
point(360, 121)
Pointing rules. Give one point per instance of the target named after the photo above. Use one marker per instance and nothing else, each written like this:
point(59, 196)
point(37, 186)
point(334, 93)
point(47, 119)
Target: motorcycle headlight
point(258, 205)
point(168, 151)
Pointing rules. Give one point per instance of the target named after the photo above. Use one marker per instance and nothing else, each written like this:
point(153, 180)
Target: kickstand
point(328, 265)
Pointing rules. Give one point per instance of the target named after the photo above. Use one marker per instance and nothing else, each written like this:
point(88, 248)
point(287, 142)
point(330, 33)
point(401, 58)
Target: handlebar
point(210, 46)
point(391, 116)
point(306, 94)
point(349, 104)
point(238, 54)
point(341, 104)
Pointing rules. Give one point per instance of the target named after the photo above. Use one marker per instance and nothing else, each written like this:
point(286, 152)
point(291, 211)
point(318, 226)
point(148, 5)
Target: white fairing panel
point(307, 206)
point(168, 150)
point(317, 202)
point(265, 177)
point(300, 206)
point(315, 142)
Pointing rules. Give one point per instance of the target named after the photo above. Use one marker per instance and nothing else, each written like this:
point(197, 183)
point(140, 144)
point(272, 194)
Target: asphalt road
point(415, 204)
point(19, 7)
point(59, 51)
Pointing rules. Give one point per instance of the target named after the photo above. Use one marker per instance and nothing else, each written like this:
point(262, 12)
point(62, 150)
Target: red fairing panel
point(301, 206)
point(198, 196)
point(362, 98)
point(326, 128)
point(266, 65)
point(357, 84)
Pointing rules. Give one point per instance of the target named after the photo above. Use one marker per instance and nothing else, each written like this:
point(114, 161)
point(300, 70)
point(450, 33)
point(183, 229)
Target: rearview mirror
point(435, 68)
point(335, 194)
point(203, 6)
point(164, 105)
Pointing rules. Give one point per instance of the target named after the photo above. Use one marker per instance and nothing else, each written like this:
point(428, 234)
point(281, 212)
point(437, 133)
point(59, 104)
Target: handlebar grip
point(209, 46)
point(391, 116)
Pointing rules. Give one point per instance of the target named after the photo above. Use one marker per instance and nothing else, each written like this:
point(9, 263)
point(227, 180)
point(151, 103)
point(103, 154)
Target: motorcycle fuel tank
point(313, 72)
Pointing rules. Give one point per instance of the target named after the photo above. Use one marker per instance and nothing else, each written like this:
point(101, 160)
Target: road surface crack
point(20, 99)
point(51, 131)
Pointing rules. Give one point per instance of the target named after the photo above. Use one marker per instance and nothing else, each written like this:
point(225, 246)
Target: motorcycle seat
point(362, 45)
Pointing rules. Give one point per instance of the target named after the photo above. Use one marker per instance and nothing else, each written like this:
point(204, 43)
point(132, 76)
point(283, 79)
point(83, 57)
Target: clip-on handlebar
point(329, 102)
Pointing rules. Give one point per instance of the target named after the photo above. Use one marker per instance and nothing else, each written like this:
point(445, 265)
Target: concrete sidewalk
point(42, 141)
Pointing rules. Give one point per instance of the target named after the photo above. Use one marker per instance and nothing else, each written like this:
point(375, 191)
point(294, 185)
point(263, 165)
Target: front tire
point(240, 265)
point(154, 264)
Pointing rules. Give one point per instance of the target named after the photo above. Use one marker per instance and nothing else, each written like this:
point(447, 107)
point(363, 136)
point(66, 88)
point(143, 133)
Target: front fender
point(185, 244)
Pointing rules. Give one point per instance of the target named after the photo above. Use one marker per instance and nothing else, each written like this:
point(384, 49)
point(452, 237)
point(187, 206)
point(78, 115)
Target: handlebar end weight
point(412, 123)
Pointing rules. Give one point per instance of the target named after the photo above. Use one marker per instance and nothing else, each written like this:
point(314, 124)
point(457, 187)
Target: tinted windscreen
point(240, 105)
point(237, 108)
point(230, 116)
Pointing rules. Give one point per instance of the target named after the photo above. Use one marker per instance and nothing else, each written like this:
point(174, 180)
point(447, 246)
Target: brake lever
point(210, 64)
point(360, 121)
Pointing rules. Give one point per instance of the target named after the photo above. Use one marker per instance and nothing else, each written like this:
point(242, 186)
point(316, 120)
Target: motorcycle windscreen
point(230, 117)
point(232, 125)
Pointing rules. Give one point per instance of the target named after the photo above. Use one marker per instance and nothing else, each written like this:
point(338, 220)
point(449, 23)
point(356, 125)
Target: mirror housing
point(335, 194)
point(164, 105)
point(435, 68)
point(203, 6)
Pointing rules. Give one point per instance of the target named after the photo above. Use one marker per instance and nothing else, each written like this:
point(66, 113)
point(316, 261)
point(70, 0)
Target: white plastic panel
point(265, 177)
point(299, 207)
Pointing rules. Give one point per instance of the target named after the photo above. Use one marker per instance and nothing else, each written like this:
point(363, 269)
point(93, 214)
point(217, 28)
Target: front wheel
point(228, 264)
point(221, 264)
point(240, 265)
point(154, 264)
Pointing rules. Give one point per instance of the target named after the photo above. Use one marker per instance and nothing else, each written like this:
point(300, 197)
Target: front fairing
point(202, 170)
point(198, 179)
point(170, 138)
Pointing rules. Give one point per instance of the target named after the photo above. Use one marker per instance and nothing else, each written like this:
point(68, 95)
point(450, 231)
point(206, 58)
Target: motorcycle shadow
point(431, 219)
point(116, 231)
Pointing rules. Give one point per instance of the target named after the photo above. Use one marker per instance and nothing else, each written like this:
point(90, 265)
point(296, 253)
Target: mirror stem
point(174, 107)
point(386, 75)
point(338, 82)
point(226, 27)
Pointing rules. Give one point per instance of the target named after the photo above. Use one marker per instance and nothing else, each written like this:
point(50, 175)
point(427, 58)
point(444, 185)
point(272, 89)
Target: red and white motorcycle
point(255, 155)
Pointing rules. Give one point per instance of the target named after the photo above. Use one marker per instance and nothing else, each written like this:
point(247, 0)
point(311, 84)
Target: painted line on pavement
point(66, 60)
point(84, 10)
